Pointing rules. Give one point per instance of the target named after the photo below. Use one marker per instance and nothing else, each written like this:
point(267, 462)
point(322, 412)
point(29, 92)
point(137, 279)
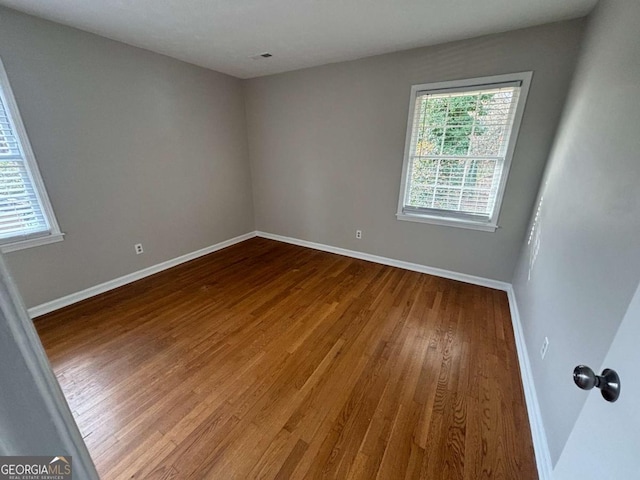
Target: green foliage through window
point(457, 149)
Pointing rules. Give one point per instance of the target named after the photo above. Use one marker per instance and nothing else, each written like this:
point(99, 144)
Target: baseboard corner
point(416, 267)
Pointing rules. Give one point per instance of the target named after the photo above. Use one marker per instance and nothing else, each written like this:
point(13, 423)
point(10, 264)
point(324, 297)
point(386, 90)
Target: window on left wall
point(26, 215)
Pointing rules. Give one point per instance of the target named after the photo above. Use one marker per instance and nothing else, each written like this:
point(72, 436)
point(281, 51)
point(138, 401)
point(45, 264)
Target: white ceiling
point(224, 34)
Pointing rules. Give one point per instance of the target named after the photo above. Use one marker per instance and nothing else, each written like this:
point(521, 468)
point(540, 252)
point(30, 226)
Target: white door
point(34, 416)
point(605, 441)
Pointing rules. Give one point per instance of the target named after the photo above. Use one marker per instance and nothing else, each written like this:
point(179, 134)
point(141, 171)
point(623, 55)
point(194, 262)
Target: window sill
point(447, 221)
point(32, 242)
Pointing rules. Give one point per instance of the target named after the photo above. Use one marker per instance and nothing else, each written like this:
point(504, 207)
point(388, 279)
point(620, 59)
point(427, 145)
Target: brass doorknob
point(608, 382)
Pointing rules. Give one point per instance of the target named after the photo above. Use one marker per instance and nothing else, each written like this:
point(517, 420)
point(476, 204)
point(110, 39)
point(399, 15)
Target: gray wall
point(133, 147)
point(588, 261)
point(326, 147)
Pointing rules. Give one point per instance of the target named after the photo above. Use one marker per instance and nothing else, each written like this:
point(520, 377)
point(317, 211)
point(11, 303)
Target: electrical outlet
point(359, 234)
point(544, 348)
point(138, 247)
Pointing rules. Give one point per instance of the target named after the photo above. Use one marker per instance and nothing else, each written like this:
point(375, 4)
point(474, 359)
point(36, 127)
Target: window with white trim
point(460, 140)
point(26, 216)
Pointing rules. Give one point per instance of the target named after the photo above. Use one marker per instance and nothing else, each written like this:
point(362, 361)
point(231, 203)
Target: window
point(26, 216)
point(460, 139)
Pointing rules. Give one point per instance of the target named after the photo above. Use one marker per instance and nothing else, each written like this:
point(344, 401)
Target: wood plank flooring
point(272, 361)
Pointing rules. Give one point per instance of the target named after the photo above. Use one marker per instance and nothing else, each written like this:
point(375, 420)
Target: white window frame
point(53, 234)
point(447, 217)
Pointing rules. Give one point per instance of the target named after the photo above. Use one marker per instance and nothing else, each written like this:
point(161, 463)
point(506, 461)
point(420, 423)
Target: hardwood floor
point(268, 360)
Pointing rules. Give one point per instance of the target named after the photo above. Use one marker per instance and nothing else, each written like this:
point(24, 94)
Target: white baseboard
point(539, 437)
point(416, 267)
point(132, 277)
